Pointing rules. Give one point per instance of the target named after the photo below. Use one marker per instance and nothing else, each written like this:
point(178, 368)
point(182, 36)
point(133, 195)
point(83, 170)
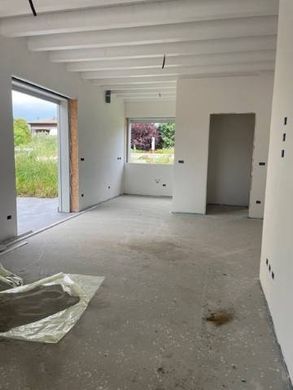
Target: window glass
point(151, 142)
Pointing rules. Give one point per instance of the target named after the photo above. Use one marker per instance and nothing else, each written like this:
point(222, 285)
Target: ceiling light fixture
point(32, 7)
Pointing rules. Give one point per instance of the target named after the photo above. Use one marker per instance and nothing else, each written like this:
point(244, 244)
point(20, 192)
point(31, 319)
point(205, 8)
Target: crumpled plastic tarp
point(8, 279)
point(53, 328)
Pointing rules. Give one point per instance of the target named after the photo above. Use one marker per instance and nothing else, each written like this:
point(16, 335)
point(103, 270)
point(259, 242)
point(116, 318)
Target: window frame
point(62, 102)
point(144, 120)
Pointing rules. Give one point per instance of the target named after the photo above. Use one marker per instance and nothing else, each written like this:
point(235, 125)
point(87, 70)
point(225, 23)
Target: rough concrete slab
point(147, 329)
point(37, 213)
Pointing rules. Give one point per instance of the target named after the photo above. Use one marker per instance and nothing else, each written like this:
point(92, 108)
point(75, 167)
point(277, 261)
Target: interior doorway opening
point(231, 144)
point(41, 138)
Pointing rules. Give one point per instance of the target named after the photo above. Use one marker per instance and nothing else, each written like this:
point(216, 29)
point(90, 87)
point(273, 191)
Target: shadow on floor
point(37, 213)
point(214, 209)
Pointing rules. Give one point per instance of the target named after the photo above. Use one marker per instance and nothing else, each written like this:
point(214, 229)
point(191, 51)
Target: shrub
point(141, 135)
point(22, 133)
point(167, 133)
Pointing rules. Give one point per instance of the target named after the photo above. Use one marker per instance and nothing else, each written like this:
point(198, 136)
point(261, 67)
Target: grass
point(160, 156)
point(36, 167)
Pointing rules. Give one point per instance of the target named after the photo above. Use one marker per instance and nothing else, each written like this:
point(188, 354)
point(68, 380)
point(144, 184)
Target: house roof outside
point(44, 123)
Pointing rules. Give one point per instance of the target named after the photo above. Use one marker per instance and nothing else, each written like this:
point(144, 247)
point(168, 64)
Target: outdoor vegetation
point(152, 143)
point(35, 162)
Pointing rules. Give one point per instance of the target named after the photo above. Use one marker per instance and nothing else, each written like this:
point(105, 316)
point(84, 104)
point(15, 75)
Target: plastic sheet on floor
point(8, 279)
point(53, 328)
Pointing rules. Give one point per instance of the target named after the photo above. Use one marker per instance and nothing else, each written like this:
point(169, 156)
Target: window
point(151, 141)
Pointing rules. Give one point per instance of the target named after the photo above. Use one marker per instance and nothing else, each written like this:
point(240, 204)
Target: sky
point(31, 108)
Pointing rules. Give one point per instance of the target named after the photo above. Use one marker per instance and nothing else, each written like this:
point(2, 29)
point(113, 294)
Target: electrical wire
point(32, 7)
point(164, 61)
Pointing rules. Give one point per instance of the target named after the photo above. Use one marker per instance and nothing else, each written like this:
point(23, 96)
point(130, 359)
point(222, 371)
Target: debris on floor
point(46, 310)
point(220, 317)
point(25, 307)
point(8, 279)
point(11, 246)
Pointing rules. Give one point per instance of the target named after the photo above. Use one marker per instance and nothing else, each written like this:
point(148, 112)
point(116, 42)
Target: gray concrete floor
point(36, 213)
point(146, 327)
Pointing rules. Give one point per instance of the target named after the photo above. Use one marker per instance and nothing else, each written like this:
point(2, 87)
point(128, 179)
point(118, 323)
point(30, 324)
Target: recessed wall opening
point(230, 162)
point(150, 155)
point(151, 141)
point(41, 142)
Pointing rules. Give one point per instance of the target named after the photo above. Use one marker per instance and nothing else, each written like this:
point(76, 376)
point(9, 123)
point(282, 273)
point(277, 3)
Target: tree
point(22, 133)
point(141, 135)
point(167, 132)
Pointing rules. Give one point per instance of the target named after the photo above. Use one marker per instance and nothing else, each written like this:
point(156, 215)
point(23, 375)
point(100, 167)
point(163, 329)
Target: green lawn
point(160, 156)
point(36, 167)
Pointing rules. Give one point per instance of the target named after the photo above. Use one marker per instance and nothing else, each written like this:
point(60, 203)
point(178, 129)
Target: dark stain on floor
point(220, 317)
point(161, 249)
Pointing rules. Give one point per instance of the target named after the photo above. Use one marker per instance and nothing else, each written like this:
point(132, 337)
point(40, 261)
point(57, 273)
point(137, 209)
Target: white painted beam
point(154, 91)
point(159, 80)
point(21, 7)
point(170, 49)
point(145, 93)
point(145, 14)
point(153, 95)
point(139, 98)
point(220, 29)
point(145, 98)
point(173, 62)
point(140, 87)
point(174, 72)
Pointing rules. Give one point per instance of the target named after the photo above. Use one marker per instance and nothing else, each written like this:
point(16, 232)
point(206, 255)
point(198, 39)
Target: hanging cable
point(164, 61)
point(32, 7)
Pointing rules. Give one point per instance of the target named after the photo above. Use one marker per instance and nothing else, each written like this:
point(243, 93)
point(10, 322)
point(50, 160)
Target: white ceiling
point(120, 44)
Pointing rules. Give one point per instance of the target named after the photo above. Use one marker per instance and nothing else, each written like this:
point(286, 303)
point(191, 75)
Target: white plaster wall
point(277, 244)
point(197, 99)
point(148, 179)
point(101, 129)
point(230, 159)
point(151, 109)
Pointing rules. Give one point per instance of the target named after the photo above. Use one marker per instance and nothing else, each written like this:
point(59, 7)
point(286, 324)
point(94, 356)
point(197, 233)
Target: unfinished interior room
point(166, 260)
